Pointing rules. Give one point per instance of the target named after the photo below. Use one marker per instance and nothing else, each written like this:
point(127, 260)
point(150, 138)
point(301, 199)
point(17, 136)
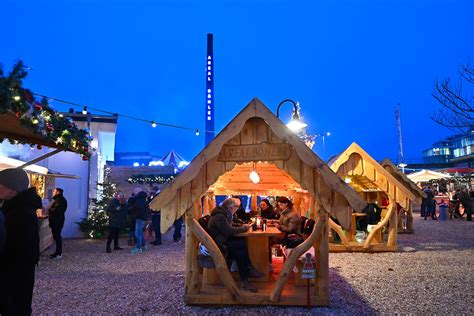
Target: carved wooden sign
point(260, 152)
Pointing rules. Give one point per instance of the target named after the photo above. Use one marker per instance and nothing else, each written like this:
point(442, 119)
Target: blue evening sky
point(348, 62)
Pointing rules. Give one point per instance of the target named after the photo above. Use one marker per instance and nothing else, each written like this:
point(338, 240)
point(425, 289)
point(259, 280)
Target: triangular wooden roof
point(303, 165)
point(367, 173)
point(394, 171)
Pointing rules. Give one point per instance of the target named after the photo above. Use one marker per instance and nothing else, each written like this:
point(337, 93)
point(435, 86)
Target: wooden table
point(258, 243)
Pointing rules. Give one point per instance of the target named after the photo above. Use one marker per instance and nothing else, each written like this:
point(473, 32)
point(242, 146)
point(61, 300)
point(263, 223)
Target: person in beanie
point(21, 253)
point(56, 221)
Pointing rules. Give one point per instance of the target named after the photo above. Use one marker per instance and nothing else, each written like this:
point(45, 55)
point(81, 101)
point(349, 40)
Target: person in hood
point(56, 220)
point(222, 229)
point(21, 254)
point(139, 211)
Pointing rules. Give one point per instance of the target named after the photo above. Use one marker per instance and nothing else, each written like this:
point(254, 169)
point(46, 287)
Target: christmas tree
point(97, 221)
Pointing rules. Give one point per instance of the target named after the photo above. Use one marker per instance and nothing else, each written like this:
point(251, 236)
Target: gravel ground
point(431, 274)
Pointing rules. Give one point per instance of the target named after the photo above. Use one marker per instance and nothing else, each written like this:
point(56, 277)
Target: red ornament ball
point(38, 106)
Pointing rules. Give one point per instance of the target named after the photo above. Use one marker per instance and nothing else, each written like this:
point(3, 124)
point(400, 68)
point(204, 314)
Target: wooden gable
point(257, 136)
point(402, 178)
point(365, 174)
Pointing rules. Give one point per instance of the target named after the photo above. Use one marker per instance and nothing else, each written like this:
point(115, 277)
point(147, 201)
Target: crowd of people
point(139, 215)
point(448, 206)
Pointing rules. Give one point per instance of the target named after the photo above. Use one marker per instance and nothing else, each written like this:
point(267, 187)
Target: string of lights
point(153, 123)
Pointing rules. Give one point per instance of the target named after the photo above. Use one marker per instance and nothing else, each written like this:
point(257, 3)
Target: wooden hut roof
point(400, 176)
point(366, 174)
point(11, 127)
point(257, 128)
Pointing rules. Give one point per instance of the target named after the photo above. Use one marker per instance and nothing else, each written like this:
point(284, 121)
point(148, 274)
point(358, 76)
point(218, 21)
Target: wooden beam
point(294, 256)
point(219, 261)
point(193, 285)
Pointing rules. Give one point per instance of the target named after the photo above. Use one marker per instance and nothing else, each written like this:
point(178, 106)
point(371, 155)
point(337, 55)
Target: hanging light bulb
point(197, 132)
point(84, 110)
point(153, 124)
point(254, 176)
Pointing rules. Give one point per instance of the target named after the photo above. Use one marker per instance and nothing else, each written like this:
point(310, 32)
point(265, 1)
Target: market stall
point(381, 190)
point(405, 216)
point(255, 140)
point(23, 120)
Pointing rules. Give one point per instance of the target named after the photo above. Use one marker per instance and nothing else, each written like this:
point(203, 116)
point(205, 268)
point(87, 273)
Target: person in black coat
point(21, 253)
point(222, 230)
point(117, 211)
point(56, 220)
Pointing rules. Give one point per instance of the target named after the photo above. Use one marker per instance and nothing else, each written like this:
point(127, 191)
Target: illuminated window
point(208, 79)
point(208, 112)
point(208, 73)
point(209, 101)
point(208, 107)
point(208, 96)
point(209, 57)
point(208, 118)
point(208, 90)
point(209, 62)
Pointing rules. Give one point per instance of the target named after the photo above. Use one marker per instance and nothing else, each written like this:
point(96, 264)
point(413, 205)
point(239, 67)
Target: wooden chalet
point(256, 140)
point(410, 185)
point(374, 184)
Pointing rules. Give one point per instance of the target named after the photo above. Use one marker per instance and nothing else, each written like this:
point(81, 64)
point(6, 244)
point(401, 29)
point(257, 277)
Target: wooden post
point(206, 208)
point(322, 262)
point(193, 285)
point(254, 202)
point(392, 233)
point(212, 201)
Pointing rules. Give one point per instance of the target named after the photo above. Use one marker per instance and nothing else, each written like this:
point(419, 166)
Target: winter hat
point(15, 179)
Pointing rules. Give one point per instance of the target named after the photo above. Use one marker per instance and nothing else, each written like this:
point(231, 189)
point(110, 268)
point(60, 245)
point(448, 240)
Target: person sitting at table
point(267, 210)
point(222, 229)
point(240, 214)
point(289, 222)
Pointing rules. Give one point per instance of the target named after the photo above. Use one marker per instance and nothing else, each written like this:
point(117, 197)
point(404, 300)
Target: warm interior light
point(254, 176)
point(348, 180)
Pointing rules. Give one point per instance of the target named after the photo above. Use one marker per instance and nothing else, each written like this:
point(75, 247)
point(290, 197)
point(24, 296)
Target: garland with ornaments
point(150, 179)
point(39, 117)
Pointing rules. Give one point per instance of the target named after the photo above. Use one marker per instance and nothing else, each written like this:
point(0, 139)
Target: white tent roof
point(427, 175)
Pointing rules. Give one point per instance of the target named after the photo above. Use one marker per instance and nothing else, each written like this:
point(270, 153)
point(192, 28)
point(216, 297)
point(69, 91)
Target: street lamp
point(295, 124)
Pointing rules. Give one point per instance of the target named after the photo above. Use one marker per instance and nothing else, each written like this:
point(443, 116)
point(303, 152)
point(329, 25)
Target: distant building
point(134, 159)
point(454, 151)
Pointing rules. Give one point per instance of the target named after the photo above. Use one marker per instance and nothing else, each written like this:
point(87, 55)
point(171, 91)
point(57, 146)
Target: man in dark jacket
point(222, 230)
point(21, 254)
point(117, 211)
point(465, 200)
point(56, 220)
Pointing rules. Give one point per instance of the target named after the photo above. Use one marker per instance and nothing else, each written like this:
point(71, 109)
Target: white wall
point(75, 190)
